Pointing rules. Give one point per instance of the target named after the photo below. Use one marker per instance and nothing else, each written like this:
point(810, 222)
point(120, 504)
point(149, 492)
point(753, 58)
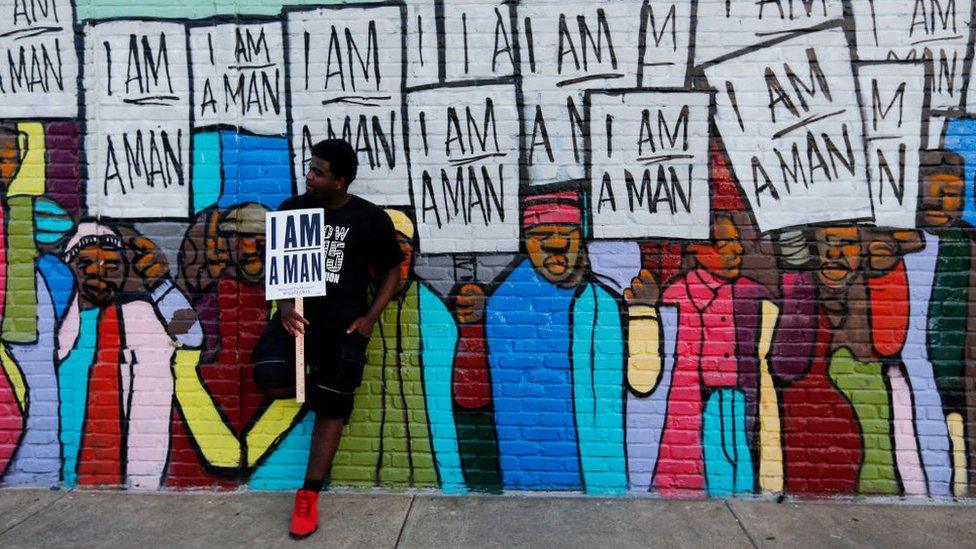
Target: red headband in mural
point(562, 208)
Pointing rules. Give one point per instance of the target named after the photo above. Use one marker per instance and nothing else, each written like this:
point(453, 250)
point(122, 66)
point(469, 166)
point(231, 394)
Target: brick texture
point(692, 248)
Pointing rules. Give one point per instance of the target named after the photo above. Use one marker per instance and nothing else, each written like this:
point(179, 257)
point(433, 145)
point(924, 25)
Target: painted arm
point(177, 314)
point(643, 335)
point(644, 349)
point(21, 291)
point(21, 247)
point(218, 444)
point(770, 446)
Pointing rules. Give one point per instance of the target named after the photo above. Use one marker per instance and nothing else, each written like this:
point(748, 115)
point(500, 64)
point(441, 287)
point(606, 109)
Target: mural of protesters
point(388, 439)
point(945, 271)
point(471, 391)
point(561, 395)
point(224, 427)
point(125, 303)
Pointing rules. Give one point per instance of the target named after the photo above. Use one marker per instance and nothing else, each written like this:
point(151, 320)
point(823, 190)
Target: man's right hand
point(293, 322)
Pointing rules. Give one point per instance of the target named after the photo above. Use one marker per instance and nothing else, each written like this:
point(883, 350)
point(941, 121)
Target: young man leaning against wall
point(338, 325)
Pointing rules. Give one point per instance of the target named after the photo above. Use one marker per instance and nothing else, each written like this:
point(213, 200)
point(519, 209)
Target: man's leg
point(325, 442)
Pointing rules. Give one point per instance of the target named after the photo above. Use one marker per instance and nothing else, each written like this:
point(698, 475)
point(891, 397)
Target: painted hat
point(401, 222)
point(87, 234)
point(559, 208)
point(244, 219)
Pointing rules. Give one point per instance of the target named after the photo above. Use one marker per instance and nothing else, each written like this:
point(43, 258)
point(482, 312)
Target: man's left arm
point(384, 293)
point(385, 258)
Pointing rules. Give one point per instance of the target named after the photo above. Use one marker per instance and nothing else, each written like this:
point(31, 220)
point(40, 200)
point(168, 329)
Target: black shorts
point(336, 361)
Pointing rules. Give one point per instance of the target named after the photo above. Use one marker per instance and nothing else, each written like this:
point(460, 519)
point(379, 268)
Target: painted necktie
point(101, 445)
point(471, 390)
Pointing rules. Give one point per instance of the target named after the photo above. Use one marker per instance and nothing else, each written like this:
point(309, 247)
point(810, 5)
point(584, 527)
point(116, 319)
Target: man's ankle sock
point(313, 485)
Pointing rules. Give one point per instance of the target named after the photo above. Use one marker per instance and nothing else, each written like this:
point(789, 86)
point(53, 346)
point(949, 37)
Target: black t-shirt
point(360, 243)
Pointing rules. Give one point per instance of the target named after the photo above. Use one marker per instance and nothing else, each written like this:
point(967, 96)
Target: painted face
point(10, 156)
point(554, 250)
point(218, 248)
point(882, 252)
point(469, 303)
point(723, 257)
point(406, 246)
point(839, 252)
point(942, 200)
point(248, 256)
point(320, 182)
point(100, 270)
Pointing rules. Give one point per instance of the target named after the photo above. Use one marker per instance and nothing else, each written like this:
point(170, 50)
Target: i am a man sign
point(295, 268)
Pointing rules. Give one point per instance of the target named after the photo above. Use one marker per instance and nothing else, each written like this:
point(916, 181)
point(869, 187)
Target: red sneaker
point(305, 514)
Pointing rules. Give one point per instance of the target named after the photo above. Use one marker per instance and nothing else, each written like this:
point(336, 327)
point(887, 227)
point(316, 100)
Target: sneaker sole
point(302, 536)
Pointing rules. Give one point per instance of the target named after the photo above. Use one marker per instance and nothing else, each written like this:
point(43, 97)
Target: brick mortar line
point(741, 525)
point(406, 517)
point(34, 514)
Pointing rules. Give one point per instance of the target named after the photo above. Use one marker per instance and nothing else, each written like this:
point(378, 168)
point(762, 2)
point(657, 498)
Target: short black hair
point(341, 158)
point(939, 161)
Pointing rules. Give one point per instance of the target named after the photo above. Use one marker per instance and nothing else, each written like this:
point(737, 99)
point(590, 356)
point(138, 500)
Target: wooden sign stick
point(300, 356)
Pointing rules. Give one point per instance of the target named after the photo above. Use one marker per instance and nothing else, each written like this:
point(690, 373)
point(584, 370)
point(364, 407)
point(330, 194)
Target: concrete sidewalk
point(41, 518)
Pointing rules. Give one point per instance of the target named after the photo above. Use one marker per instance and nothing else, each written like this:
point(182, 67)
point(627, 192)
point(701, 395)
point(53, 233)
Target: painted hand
point(643, 290)
point(469, 303)
point(148, 261)
point(887, 247)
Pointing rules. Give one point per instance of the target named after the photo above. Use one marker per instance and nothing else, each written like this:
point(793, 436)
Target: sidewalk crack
point(741, 526)
point(403, 526)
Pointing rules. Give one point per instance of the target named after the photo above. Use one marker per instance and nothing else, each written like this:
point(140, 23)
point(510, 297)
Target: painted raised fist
point(148, 261)
point(643, 290)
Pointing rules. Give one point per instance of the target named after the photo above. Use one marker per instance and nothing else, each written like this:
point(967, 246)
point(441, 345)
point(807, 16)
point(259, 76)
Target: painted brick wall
point(671, 246)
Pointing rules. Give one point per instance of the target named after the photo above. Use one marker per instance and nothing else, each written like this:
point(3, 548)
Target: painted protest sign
point(138, 139)
point(478, 41)
point(346, 80)
point(649, 164)
point(423, 61)
point(663, 49)
point(917, 30)
point(789, 119)
point(724, 27)
point(476, 38)
point(239, 76)
point(569, 47)
point(935, 135)
point(38, 60)
point(465, 168)
point(295, 256)
point(893, 99)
